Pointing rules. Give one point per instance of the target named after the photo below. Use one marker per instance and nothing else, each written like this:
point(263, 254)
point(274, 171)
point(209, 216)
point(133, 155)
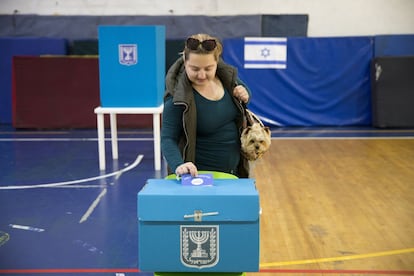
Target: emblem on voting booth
point(199, 245)
point(128, 54)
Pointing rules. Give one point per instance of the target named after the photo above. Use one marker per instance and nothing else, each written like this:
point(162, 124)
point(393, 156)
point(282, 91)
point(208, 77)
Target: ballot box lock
point(198, 215)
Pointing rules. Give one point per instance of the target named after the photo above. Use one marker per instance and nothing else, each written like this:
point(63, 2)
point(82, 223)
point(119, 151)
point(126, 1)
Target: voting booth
point(131, 65)
point(198, 228)
point(131, 79)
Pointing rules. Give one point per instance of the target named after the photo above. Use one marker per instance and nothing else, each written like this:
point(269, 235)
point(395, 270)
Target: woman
point(202, 117)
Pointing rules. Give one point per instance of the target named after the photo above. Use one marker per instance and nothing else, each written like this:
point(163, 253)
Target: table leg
point(114, 136)
point(101, 140)
point(157, 141)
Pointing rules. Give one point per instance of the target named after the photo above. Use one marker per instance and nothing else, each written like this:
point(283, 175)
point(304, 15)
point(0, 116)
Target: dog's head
point(255, 141)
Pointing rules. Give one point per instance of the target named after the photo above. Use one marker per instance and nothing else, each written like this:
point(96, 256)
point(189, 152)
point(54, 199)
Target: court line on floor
point(337, 271)
point(57, 184)
point(342, 138)
point(68, 139)
point(285, 137)
point(93, 206)
point(69, 270)
point(80, 186)
point(275, 136)
point(342, 258)
point(136, 270)
point(332, 130)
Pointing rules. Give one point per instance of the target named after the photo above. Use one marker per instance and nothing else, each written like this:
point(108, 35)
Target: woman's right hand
point(186, 168)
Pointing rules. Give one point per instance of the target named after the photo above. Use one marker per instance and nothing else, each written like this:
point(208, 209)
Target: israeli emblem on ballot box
point(199, 246)
point(128, 54)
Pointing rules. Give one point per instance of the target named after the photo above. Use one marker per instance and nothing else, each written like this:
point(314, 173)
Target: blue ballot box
point(131, 65)
point(206, 228)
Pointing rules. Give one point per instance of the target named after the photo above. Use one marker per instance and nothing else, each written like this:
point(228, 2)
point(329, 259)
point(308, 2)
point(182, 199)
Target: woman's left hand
point(240, 92)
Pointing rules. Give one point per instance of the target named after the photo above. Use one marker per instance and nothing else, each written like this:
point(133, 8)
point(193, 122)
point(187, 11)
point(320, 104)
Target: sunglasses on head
point(194, 43)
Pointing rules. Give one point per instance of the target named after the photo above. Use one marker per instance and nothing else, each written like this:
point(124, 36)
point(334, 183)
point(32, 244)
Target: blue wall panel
point(394, 45)
point(327, 82)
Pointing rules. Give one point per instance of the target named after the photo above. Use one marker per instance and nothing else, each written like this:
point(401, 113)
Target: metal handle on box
point(198, 215)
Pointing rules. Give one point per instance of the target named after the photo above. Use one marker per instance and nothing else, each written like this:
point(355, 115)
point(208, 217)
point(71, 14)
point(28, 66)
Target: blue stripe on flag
point(264, 62)
point(264, 43)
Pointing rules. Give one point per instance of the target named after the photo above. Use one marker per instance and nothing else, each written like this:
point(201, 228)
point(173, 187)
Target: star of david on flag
point(265, 52)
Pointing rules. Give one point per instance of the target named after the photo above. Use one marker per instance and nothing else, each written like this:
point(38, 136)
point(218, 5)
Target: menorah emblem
point(128, 54)
point(199, 237)
point(199, 245)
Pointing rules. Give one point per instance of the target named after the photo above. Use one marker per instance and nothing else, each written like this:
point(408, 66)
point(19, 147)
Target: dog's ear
point(247, 130)
point(267, 129)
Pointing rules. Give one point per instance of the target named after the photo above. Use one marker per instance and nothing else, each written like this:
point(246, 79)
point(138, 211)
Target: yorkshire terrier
point(255, 138)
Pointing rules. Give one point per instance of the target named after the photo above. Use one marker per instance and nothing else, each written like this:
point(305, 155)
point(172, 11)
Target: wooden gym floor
point(337, 205)
point(337, 201)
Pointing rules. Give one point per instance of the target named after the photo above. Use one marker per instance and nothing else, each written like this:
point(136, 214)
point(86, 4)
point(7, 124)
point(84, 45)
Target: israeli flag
point(265, 52)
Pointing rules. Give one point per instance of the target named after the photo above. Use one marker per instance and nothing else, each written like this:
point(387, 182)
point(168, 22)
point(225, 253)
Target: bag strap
point(249, 117)
point(246, 121)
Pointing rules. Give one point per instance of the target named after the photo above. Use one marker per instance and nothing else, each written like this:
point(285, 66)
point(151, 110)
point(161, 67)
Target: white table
point(113, 111)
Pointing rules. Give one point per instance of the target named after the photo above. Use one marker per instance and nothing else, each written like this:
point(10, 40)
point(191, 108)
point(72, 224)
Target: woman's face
point(200, 68)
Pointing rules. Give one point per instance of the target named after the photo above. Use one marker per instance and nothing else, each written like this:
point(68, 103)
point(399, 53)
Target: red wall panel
point(60, 92)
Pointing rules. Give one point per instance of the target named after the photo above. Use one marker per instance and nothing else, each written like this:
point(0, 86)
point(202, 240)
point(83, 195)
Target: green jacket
point(179, 87)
